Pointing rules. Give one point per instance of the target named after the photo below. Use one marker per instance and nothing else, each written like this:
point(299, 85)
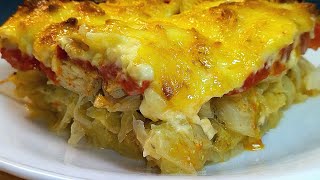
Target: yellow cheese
point(193, 55)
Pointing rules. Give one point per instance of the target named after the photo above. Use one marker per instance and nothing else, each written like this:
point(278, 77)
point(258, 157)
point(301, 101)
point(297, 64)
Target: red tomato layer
point(18, 60)
point(23, 62)
point(129, 85)
point(279, 66)
point(315, 42)
point(108, 72)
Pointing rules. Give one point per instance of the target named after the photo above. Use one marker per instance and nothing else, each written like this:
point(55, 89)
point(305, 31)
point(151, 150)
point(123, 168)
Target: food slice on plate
point(177, 83)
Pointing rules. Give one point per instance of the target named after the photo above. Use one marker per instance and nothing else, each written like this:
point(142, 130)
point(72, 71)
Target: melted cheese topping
point(193, 56)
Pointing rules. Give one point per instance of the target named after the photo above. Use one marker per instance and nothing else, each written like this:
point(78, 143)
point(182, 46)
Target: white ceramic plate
point(28, 150)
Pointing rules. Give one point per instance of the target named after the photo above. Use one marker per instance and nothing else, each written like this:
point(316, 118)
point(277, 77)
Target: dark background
point(8, 7)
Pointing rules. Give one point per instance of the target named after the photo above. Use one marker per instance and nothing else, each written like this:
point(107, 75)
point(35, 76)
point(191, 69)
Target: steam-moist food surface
point(188, 58)
point(116, 69)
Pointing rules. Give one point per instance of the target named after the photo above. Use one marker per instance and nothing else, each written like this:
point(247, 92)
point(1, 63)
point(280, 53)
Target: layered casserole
point(178, 83)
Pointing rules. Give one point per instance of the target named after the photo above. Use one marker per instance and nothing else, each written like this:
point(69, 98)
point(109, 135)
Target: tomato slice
point(48, 72)
point(304, 42)
point(109, 72)
point(61, 53)
point(129, 85)
point(253, 79)
point(18, 60)
point(285, 53)
point(277, 68)
point(23, 62)
point(315, 42)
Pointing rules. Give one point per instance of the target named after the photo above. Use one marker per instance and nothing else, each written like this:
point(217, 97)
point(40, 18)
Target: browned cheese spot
point(170, 88)
point(200, 50)
point(50, 34)
point(224, 15)
point(167, 90)
point(53, 8)
point(72, 22)
point(90, 8)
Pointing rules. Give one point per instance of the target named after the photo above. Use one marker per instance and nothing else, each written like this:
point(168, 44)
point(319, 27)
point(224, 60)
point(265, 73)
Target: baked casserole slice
point(177, 83)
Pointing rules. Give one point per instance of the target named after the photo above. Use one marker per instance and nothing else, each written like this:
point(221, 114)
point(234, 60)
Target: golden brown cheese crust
point(193, 56)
